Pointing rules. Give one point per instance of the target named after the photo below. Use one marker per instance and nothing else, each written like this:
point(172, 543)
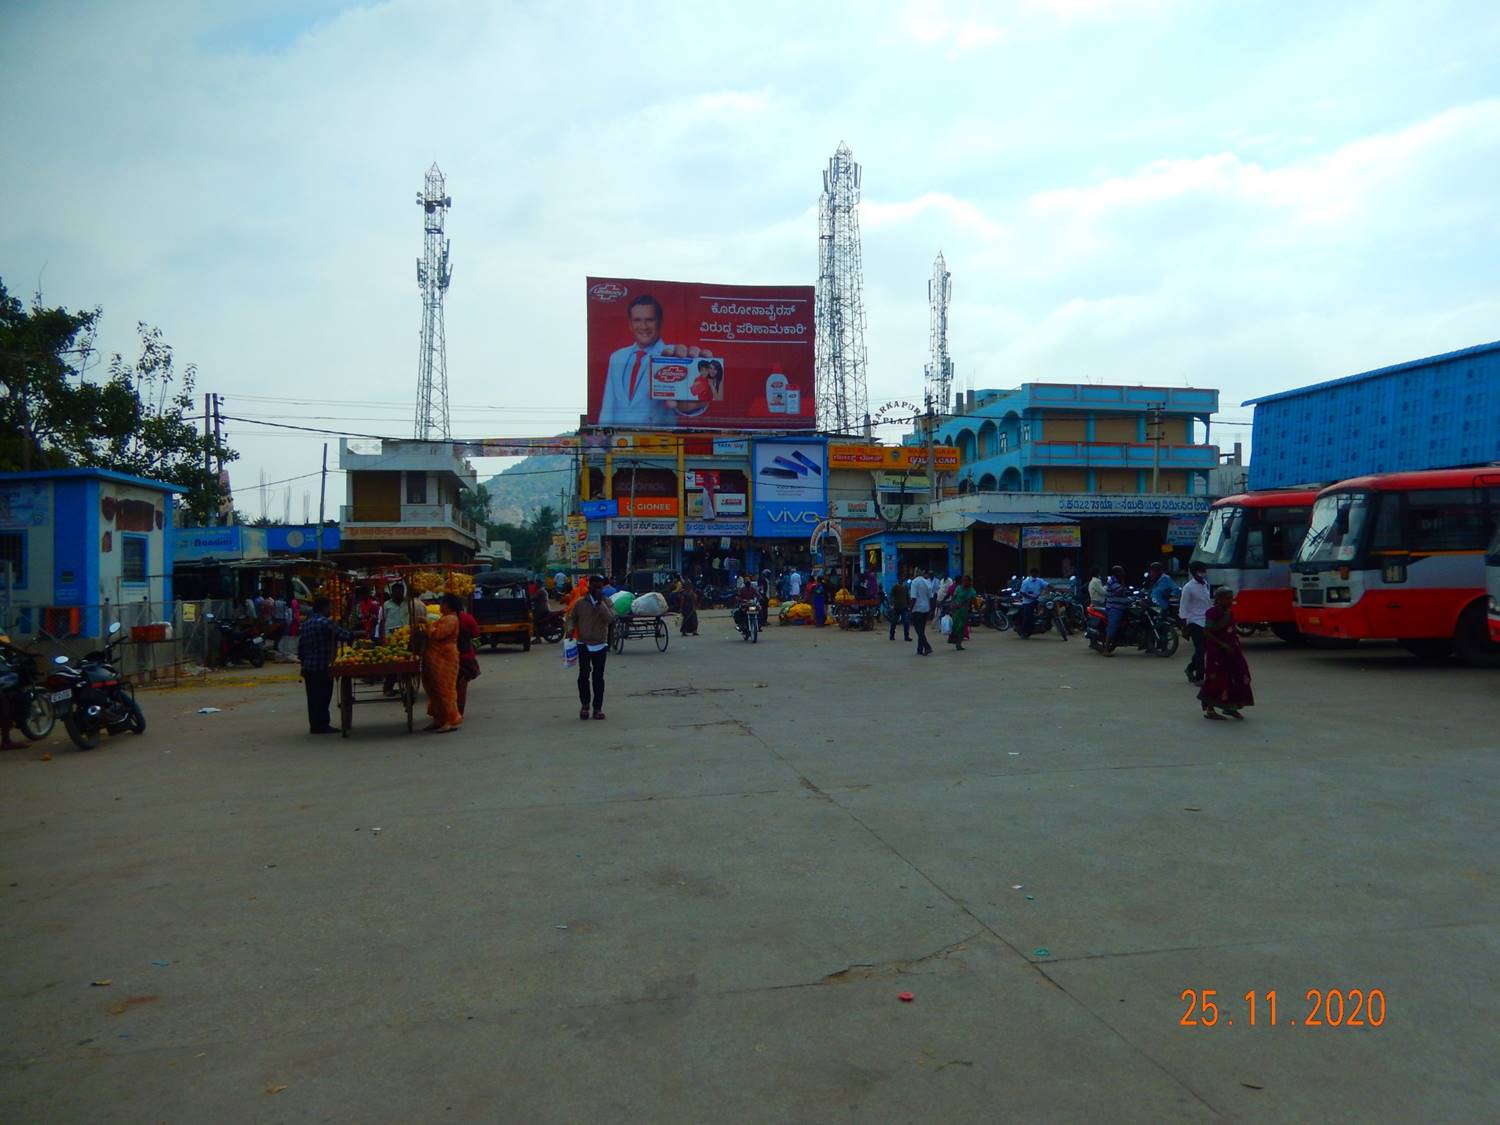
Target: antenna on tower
point(939, 381)
point(842, 398)
point(434, 271)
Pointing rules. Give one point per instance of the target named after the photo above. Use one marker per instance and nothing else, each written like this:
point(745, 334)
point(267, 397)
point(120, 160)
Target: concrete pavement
point(705, 907)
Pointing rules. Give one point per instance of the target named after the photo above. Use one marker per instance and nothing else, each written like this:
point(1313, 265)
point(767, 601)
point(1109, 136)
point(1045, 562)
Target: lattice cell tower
point(939, 383)
point(434, 271)
point(841, 394)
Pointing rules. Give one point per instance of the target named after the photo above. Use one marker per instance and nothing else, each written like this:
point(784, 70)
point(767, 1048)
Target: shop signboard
point(287, 540)
point(1008, 535)
point(641, 527)
point(668, 355)
point(1118, 503)
point(791, 487)
point(1182, 531)
point(850, 456)
point(599, 509)
point(731, 447)
point(25, 505)
point(709, 528)
point(191, 544)
point(856, 509)
point(1052, 535)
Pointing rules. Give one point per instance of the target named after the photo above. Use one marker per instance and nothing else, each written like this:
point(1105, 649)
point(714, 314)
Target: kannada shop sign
point(791, 487)
point(666, 355)
point(890, 457)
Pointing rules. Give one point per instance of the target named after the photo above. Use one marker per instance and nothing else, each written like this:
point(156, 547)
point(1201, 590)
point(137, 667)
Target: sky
point(1247, 196)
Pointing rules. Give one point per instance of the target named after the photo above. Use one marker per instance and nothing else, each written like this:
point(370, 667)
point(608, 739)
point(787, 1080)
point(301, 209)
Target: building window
point(1004, 441)
point(133, 559)
point(13, 551)
point(1025, 431)
point(416, 488)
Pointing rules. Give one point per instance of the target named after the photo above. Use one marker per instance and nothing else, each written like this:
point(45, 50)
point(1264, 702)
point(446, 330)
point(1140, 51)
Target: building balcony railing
point(1099, 455)
point(410, 515)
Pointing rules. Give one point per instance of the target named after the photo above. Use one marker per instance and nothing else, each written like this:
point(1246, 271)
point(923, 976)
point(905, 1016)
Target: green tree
point(50, 415)
point(475, 504)
point(137, 420)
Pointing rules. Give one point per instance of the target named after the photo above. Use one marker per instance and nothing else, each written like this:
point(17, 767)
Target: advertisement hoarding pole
point(630, 539)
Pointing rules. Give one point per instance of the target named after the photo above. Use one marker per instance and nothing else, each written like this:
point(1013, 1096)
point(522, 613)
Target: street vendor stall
point(361, 671)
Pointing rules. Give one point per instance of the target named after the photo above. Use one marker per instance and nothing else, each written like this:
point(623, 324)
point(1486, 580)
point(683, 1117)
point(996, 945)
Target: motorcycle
point(1046, 615)
point(1144, 626)
point(997, 609)
point(241, 641)
point(21, 684)
point(547, 626)
point(747, 620)
point(94, 697)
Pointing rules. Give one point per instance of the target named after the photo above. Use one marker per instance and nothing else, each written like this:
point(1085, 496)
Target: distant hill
point(518, 492)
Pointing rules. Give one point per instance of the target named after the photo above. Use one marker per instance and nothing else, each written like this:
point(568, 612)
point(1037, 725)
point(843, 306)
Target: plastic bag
point(649, 605)
point(570, 653)
point(946, 624)
point(623, 601)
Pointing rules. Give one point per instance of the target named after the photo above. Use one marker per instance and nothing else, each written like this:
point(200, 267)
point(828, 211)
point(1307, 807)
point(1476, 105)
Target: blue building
point(1079, 437)
point(78, 541)
point(1434, 413)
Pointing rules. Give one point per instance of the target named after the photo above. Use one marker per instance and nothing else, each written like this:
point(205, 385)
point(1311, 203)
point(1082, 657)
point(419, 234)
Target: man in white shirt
point(922, 598)
point(1191, 606)
point(794, 583)
point(627, 381)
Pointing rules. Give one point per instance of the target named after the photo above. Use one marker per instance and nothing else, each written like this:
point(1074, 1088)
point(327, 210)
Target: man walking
point(589, 619)
point(316, 646)
point(1194, 603)
point(922, 595)
point(900, 598)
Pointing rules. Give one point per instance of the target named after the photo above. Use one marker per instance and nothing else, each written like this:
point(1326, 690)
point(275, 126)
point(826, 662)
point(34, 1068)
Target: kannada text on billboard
point(680, 355)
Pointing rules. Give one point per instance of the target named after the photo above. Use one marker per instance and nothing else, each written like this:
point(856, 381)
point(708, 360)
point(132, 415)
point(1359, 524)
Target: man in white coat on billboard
point(627, 398)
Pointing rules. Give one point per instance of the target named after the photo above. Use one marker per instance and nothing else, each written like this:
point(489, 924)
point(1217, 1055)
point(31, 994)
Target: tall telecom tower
point(939, 382)
point(842, 397)
point(433, 274)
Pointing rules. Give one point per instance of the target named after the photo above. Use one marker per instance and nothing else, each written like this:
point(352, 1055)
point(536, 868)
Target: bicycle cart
point(629, 625)
point(350, 690)
point(861, 613)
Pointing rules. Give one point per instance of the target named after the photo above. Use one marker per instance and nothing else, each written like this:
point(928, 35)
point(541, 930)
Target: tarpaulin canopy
point(1003, 519)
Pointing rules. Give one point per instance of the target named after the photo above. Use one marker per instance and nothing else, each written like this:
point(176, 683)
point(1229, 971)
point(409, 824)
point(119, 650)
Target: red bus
point(1248, 543)
point(1402, 556)
point(1492, 583)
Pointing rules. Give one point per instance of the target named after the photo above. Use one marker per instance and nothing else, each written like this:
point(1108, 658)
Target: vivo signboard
point(790, 487)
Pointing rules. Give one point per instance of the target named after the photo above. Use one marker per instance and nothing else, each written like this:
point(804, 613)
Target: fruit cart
point(361, 671)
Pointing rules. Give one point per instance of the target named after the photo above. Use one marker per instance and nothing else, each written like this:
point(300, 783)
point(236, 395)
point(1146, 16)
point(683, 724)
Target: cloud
point(959, 27)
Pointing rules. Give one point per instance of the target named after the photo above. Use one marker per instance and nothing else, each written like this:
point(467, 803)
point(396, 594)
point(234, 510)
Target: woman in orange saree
point(440, 672)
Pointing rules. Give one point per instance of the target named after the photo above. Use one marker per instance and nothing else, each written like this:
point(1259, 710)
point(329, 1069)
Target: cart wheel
point(662, 635)
point(617, 637)
point(408, 699)
point(346, 705)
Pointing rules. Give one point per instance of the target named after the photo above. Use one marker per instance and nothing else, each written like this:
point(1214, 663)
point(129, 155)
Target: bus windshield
point(1339, 528)
point(1220, 537)
point(1492, 556)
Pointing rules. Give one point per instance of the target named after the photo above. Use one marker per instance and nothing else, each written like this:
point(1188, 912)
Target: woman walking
point(962, 598)
point(440, 669)
point(687, 605)
point(1226, 676)
point(468, 653)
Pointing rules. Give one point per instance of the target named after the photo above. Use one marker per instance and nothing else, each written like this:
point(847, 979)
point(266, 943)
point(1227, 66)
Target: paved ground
point(705, 908)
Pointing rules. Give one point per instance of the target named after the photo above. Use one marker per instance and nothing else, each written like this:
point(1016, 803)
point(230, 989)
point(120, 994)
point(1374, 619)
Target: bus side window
point(1255, 547)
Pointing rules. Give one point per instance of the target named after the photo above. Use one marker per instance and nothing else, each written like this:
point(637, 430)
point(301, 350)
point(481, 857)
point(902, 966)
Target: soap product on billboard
point(793, 401)
point(776, 390)
point(698, 381)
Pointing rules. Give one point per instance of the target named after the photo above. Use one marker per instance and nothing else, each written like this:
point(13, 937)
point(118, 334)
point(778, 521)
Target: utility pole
point(207, 448)
point(322, 500)
point(630, 540)
point(1156, 409)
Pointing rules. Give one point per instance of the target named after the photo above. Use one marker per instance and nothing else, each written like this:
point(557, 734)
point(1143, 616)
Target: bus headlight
point(1338, 594)
point(1495, 607)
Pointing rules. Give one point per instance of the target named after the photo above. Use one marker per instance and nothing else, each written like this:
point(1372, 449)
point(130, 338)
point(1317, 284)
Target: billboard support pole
point(630, 540)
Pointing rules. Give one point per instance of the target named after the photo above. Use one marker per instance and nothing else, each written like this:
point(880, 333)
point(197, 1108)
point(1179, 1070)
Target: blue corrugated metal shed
point(1430, 413)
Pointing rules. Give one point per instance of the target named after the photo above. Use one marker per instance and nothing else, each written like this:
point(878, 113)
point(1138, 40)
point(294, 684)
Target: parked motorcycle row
point(89, 696)
point(1145, 626)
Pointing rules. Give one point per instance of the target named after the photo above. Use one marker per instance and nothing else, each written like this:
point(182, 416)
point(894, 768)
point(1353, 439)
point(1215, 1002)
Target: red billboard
point(677, 355)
